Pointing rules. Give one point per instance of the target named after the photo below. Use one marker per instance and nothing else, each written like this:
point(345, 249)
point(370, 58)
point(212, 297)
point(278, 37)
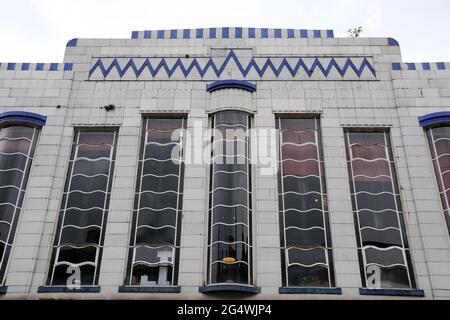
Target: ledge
point(231, 84)
point(286, 290)
point(54, 289)
point(392, 292)
point(434, 118)
point(130, 289)
point(3, 290)
point(229, 288)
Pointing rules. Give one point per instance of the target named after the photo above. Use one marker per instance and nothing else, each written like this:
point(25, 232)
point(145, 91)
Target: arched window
point(19, 133)
point(437, 126)
point(230, 201)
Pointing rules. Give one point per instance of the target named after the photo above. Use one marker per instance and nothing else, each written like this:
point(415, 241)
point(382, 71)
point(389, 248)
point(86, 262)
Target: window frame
point(228, 286)
point(328, 248)
point(136, 203)
point(56, 246)
point(398, 200)
point(439, 180)
point(8, 245)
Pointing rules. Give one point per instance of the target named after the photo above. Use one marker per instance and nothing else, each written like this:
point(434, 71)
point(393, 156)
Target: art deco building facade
point(225, 163)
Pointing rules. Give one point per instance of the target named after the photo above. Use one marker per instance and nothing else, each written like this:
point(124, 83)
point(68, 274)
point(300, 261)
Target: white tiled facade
point(380, 96)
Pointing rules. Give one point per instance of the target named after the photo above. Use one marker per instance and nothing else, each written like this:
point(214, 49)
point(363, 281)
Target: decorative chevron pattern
point(297, 67)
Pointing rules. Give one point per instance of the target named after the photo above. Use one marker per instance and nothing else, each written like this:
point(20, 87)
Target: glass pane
point(63, 272)
point(148, 276)
point(299, 276)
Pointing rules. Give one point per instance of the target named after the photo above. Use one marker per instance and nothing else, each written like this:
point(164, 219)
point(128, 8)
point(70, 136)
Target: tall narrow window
point(305, 233)
point(17, 144)
point(78, 244)
point(381, 237)
point(155, 238)
point(439, 140)
point(230, 201)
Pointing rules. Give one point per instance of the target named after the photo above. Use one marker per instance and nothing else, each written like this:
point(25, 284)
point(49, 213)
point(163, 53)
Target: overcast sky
point(37, 30)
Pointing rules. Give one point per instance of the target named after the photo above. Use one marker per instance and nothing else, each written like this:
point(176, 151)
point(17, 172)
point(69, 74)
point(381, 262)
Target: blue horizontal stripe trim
point(251, 32)
point(53, 67)
point(291, 33)
point(23, 117)
point(231, 84)
point(229, 288)
point(391, 292)
point(3, 290)
point(212, 33)
point(68, 66)
point(434, 118)
point(55, 289)
point(264, 33)
point(147, 34)
point(396, 66)
point(277, 33)
point(238, 33)
point(286, 290)
point(129, 289)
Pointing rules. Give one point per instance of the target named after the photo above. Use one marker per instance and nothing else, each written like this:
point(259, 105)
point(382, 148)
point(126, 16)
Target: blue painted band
point(231, 84)
point(55, 289)
point(3, 290)
point(73, 42)
point(23, 117)
point(286, 290)
point(391, 292)
point(434, 118)
point(392, 42)
point(127, 289)
point(229, 288)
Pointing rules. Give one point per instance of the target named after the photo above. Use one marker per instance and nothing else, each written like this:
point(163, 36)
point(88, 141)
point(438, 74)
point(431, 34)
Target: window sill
point(391, 292)
point(229, 288)
point(55, 289)
point(130, 289)
point(287, 290)
point(3, 290)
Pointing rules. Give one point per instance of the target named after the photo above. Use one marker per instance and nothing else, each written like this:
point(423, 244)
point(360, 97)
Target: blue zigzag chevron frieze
point(276, 68)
